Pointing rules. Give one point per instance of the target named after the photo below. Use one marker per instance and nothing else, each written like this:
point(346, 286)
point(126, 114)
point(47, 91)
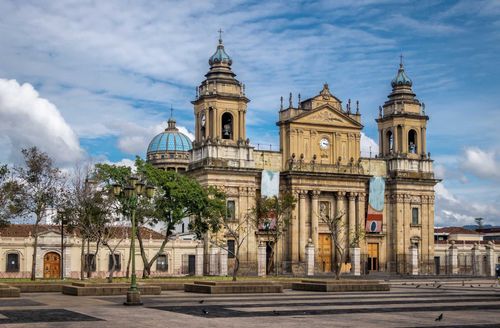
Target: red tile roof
point(455, 230)
point(24, 230)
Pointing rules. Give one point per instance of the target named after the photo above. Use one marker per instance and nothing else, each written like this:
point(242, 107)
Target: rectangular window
point(230, 249)
point(118, 264)
point(161, 263)
point(230, 210)
point(90, 263)
point(414, 216)
point(13, 262)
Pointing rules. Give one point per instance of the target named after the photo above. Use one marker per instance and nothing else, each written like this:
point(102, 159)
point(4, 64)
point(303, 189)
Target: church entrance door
point(325, 252)
point(51, 265)
point(372, 256)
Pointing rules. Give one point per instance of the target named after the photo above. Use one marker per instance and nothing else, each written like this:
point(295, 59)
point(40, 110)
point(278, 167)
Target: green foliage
point(11, 200)
point(211, 214)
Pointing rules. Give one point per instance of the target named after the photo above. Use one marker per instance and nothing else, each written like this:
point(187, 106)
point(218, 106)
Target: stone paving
point(408, 304)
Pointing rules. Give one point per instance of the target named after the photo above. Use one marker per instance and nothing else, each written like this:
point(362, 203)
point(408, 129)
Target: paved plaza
point(410, 303)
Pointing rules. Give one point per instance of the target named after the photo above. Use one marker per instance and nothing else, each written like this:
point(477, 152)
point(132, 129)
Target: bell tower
point(402, 121)
point(220, 107)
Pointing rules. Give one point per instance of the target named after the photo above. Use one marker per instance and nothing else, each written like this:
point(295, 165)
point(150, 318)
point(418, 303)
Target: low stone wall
point(340, 286)
point(40, 287)
point(89, 289)
point(8, 291)
point(233, 287)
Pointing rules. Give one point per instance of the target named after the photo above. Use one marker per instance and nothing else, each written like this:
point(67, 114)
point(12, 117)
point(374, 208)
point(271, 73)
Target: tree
point(338, 236)
point(10, 196)
point(41, 185)
point(177, 196)
point(272, 216)
point(88, 208)
point(479, 222)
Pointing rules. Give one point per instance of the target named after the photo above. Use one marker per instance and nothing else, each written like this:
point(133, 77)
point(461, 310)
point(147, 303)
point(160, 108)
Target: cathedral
point(389, 198)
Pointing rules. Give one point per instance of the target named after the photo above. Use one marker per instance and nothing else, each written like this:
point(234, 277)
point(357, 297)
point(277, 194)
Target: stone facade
point(321, 164)
point(17, 239)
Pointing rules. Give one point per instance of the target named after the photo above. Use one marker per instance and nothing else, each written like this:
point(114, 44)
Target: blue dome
point(170, 140)
point(401, 78)
point(220, 56)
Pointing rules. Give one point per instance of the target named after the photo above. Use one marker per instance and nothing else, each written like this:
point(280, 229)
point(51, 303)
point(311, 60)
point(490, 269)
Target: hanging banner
point(270, 183)
point(374, 217)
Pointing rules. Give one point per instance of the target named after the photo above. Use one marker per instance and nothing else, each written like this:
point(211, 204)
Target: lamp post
point(63, 219)
point(131, 194)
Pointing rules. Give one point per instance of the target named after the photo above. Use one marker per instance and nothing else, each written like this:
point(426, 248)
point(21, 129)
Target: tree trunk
point(236, 262)
point(82, 260)
point(146, 269)
point(113, 266)
point(35, 246)
point(160, 251)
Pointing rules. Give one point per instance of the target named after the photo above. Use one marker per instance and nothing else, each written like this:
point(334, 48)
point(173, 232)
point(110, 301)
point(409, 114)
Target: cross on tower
point(171, 111)
point(401, 60)
point(220, 34)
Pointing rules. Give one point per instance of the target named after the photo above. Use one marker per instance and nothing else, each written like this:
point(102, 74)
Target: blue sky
point(96, 79)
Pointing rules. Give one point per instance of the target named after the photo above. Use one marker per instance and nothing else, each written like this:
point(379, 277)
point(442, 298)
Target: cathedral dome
point(170, 140)
point(220, 56)
point(401, 78)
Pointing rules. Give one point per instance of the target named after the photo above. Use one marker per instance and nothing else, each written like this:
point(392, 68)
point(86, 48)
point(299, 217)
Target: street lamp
point(131, 194)
point(62, 215)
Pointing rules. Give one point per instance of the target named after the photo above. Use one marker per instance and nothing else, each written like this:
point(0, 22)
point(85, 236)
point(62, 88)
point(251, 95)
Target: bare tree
point(271, 215)
point(338, 237)
point(41, 187)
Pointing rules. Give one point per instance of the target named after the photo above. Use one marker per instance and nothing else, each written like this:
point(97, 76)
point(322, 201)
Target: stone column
point(310, 258)
point(490, 259)
point(199, 259)
point(413, 260)
point(475, 253)
point(302, 224)
point(453, 259)
point(294, 235)
point(315, 217)
point(352, 217)
point(213, 263)
point(261, 259)
point(355, 261)
point(360, 224)
point(223, 262)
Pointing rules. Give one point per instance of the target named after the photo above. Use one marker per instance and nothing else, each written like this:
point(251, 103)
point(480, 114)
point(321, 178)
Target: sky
point(96, 79)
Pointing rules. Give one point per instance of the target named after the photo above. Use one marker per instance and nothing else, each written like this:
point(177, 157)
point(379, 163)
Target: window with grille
point(161, 263)
point(414, 216)
point(13, 262)
point(90, 263)
point(118, 264)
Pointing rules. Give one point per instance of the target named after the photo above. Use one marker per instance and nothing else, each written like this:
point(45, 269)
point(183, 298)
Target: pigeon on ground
point(471, 286)
point(201, 301)
point(439, 318)
point(439, 286)
point(276, 312)
point(204, 311)
point(417, 286)
point(404, 283)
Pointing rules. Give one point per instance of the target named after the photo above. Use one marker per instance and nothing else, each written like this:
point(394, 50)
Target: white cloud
point(26, 120)
point(368, 146)
point(445, 194)
point(483, 164)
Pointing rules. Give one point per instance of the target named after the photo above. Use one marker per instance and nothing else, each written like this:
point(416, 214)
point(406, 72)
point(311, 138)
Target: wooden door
point(325, 252)
point(52, 266)
point(373, 256)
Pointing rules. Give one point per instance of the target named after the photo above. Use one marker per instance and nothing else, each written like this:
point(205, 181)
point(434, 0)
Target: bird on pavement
point(204, 311)
point(201, 301)
point(439, 286)
point(417, 286)
point(471, 286)
point(276, 312)
point(439, 318)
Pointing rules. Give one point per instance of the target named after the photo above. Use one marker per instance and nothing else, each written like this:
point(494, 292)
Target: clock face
point(203, 119)
point(323, 143)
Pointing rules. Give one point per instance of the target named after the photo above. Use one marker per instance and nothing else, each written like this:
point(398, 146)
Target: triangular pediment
point(327, 115)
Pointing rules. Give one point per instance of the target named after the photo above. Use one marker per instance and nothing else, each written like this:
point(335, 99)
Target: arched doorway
point(52, 265)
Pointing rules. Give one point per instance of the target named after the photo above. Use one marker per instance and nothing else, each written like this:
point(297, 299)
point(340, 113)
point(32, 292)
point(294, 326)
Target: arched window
point(227, 126)
point(412, 141)
point(390, 141)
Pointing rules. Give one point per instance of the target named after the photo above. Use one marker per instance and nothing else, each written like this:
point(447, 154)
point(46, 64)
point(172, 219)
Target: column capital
point(352, 196)
point(362, 196)
point(315, 193)
point(340, 194)
point(302, 193)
